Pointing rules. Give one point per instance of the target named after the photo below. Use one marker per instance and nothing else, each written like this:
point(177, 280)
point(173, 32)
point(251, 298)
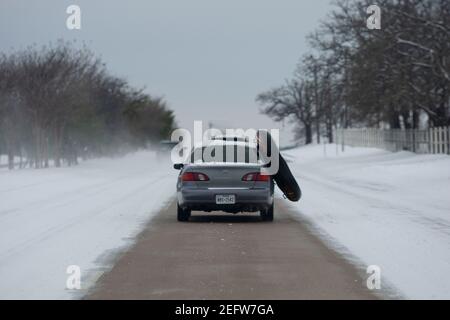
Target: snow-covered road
point(386, 209)
point(50, 219)
point(376, 207)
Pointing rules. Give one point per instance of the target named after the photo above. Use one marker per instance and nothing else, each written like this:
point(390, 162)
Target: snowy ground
point(382, 208)
point(386, 209)
point(53, 218)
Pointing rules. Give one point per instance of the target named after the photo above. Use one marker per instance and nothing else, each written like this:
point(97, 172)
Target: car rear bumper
point(247, 199)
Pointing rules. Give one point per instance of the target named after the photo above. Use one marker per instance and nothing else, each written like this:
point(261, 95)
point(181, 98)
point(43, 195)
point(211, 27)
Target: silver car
point(233, 184)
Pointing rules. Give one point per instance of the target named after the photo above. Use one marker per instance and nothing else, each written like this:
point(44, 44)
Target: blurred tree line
point(395, 77)
point(59, 103)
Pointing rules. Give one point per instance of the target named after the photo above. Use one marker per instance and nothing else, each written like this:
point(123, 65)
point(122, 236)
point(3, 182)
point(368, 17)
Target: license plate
point(225, 199)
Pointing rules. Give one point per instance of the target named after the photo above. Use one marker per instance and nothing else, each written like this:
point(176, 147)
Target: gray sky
point(208, 58)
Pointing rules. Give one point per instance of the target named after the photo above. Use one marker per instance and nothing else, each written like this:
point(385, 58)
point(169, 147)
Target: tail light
point(194, 176)
point(255, 176)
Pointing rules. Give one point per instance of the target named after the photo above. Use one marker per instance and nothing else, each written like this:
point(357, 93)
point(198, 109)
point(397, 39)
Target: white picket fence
point(434, 140)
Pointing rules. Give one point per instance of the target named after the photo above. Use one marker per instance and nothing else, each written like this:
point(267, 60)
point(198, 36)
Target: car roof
point(229, 138)
point(229, 143)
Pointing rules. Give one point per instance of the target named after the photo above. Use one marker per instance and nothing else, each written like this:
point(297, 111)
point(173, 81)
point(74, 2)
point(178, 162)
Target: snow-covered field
point(386, 209)
point(53, 218)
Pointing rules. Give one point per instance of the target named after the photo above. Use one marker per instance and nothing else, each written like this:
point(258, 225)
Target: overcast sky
point(208, 58)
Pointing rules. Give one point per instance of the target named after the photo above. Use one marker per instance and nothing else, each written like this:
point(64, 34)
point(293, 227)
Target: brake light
point(249, 177)
point(255, 176)
point(194, 176)
point(201, 177)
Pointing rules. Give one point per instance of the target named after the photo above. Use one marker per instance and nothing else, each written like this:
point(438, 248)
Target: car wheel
point(183, 214)
point(267, 214)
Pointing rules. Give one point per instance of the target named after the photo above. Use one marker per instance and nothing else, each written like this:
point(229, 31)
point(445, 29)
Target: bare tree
point(59, 102)
point(293, 100)
point(384, 78)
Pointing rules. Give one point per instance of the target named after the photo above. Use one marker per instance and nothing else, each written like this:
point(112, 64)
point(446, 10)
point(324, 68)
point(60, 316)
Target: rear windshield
point(229, 153)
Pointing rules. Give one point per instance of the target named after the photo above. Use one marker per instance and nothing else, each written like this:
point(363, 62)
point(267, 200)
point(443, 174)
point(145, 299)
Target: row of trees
point(395, 77)
point(60, 103)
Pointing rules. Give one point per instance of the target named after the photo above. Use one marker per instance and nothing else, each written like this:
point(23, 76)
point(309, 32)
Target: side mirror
point(178, 166)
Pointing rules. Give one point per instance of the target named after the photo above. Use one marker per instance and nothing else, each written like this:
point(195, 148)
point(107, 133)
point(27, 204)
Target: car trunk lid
point(224, 175)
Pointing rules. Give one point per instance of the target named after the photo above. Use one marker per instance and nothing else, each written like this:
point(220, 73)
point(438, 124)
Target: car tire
point(183, 214)
point(267, 214)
